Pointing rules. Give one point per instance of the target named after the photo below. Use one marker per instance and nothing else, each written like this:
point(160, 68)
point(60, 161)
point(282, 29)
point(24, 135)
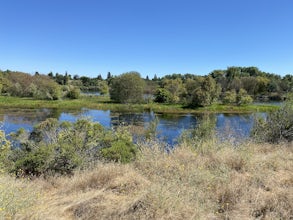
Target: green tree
point(243, 98)
point(262, 84)
point(287, 83)
point(163, 96)
point(155, 78)
point(103, 87)
point(176, 89)
point(229, 97)
point(37, 86)
point(1, 81)
point(127, 88)
point(207, 93)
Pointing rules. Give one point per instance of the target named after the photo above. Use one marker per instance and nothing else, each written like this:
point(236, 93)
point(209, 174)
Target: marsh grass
point(104, 103)
point(250, 181)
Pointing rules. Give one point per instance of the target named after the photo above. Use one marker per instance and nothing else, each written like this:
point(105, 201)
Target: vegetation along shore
point(230, 90)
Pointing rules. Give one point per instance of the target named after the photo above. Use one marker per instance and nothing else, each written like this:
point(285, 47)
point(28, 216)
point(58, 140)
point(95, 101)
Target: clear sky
point(91, 37)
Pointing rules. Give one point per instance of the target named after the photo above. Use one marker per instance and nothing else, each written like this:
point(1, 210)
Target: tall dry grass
point(17, 197)
point(252, 181)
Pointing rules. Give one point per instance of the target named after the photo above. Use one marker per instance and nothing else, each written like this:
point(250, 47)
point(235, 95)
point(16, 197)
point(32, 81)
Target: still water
point(169, 127)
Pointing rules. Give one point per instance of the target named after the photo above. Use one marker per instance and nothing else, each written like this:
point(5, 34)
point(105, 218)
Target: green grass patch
point(104, 103)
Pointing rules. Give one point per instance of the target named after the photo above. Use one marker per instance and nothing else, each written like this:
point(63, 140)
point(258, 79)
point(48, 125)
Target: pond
point(169, 127)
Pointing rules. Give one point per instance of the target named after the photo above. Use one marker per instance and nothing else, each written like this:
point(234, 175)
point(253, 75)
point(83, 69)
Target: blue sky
point(91, 37)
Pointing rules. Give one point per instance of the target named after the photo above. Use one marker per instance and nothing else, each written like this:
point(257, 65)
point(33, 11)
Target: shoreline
point(103, 103)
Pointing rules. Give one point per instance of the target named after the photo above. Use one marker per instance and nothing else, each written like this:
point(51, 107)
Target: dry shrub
point(17, 196)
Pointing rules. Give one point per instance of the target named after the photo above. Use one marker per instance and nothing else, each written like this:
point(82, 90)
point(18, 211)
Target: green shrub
point(32, 160)
point(60, 147)
point(276, 127)
point(229, 97)
point(203, 133)
point(120, 151)
point(163, 96)
point(243, 98)
point(26, 85)
point(151, 130)
point(73, 93)
point(120, 146)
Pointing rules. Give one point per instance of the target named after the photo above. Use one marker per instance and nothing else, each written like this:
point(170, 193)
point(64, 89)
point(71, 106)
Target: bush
point(163, 96)
point(243, 98)
point(59, 148)
point(276, 127)
point(229, 97)
point(206, 94)
point(54, 147)
point(120, 151)
point(26, 85)
point(120, 147)
point(203, 134)
point(73, 93)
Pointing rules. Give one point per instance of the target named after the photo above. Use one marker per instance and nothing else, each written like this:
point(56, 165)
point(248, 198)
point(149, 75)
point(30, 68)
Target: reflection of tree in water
point(137, 123)
point(136, 119)
point(29, 116)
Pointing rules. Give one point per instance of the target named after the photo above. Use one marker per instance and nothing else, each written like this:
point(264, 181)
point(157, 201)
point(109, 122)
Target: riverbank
point(253, 181)
point(104, 103)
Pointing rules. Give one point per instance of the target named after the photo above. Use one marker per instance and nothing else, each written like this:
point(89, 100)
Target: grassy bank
point(253, 181)
point(104, 103)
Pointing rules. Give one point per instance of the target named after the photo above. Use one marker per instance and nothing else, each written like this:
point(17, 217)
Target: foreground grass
point(252, 181)
point(17, 197)
point(103, 103)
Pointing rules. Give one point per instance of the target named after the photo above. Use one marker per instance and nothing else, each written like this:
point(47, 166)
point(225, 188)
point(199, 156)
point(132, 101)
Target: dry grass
point(17, 196)
point(249, 182)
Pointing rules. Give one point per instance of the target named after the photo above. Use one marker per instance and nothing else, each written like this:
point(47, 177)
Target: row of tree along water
point(235, 85)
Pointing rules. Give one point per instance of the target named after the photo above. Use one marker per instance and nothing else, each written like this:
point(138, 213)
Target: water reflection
point(14, 119)
point(236, 126)
point(169, 127)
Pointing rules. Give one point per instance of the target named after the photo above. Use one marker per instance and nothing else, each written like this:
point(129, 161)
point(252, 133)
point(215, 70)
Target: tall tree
point(100, 77)
point(127, 88)
point(109, 76)
point(207, 93)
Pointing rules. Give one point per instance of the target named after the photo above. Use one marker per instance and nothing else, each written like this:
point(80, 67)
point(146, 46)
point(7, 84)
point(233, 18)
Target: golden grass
point(252, 181)
point(17, 196)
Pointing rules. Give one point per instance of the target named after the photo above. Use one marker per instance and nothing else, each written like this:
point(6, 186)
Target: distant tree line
point(36, 86)
point(84, 83)
point(235, 85)
point(26, 85)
